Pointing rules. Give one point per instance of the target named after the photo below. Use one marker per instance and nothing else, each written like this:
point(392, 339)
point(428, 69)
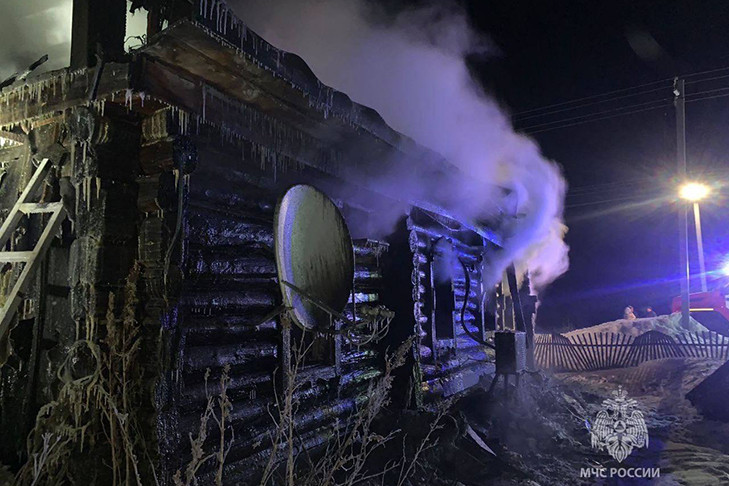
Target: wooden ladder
point(31, 258)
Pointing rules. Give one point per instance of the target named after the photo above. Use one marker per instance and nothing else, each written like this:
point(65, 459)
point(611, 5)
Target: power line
point(622, 90)
point(607, 195)
point(532, 132)
point(626, 110)
point(636, 198)
point(707, 91)
point(709, 173)
point(616, 98)
point(685, 76)
point(708, 79)
point(707, 98)
point(614, 187)
point(589, 97)
point(589, 115)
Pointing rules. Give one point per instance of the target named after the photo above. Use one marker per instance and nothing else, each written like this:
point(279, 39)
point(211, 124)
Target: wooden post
point(97, 23)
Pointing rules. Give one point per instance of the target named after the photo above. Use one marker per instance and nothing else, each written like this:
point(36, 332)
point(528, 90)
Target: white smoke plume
point(412, 70)
point(31, 28)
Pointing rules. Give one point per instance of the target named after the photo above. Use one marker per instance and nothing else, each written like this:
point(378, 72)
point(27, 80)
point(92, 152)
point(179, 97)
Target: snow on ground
point(670, 325)
point(538, 430)
point(690, 450)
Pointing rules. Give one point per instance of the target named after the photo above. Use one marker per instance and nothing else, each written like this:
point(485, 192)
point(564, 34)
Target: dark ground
point(538, 434)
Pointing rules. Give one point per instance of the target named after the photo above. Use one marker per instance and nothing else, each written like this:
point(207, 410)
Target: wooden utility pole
point(678, 91)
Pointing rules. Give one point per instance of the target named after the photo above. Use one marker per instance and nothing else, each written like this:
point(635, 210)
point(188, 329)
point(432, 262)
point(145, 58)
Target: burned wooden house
point(165, 166)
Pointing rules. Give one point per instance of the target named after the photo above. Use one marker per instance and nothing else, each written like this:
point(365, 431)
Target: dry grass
point(92, 431)
point(95, 413)
point(197, 442)
point(345, 460)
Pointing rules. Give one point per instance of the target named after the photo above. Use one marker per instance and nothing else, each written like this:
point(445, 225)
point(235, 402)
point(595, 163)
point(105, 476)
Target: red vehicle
point(709, 308)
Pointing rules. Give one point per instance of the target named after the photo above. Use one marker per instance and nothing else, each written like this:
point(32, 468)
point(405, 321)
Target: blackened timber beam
point(99, 26)
point(521, 323)
point(15, 137)
point(515, 297)
point(59, 91)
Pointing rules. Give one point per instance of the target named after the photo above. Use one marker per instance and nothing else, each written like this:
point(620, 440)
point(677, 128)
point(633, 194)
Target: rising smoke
point(411, 68)
point(31, 28)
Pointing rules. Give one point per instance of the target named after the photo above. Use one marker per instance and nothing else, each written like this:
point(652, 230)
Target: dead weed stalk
point(345, 460)
point(221, 418)
point(95, 414)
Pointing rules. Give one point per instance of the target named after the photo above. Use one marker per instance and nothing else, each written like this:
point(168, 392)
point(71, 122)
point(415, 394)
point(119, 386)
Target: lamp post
point(693, 192)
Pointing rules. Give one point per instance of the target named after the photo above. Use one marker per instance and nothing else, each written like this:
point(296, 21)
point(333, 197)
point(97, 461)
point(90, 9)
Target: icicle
point(79, 192)
point(128, 99)
point(98, 188)
point(88, 193)
point(204, 101)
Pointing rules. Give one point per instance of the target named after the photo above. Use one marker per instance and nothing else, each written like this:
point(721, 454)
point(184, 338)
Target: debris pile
point(670, 325)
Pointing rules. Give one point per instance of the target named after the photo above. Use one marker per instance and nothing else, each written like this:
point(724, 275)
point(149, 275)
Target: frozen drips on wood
point(99, 105)
point(183, 119)
point(249, 46)
point(38, 91)
point(128, 98)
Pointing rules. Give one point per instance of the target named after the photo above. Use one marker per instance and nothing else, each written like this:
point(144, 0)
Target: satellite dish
point(314, 256)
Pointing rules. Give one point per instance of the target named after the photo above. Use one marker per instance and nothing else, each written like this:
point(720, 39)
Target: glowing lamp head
point(693, 191)
point(725, 268)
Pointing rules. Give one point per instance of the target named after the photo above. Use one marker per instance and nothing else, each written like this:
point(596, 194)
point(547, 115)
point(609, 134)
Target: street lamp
point(694, 192)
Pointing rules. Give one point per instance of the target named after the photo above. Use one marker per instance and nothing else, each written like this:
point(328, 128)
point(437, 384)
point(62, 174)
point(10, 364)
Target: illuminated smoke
point(411, 68)
point(32, 28)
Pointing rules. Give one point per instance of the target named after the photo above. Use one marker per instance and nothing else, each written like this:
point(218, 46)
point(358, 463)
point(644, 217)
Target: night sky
point(621, 170)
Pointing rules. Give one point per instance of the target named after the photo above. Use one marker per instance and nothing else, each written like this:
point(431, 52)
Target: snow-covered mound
point(670, 325)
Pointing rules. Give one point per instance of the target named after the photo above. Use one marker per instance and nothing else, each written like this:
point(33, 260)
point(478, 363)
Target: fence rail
point(598, 351)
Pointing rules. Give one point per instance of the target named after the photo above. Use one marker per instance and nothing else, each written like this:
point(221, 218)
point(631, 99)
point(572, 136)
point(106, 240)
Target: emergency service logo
point(619, 426)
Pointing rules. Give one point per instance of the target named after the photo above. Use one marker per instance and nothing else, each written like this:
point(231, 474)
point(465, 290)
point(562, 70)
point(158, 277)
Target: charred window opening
point(443, 303)
point(470, 298)
point(489, 308)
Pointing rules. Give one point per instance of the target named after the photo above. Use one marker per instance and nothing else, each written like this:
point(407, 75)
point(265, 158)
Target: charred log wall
point(449, 358)
point(219, 321)
point(94, 160)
